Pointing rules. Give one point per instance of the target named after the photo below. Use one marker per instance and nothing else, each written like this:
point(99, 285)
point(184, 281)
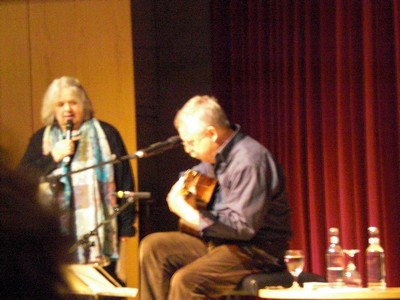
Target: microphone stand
point(54, 177)
point(154, 149)
point(53, 180)
point(84, 240)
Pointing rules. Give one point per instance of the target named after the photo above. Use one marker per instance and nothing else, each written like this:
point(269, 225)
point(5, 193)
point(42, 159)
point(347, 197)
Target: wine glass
point(352, 277)
point(294, 260)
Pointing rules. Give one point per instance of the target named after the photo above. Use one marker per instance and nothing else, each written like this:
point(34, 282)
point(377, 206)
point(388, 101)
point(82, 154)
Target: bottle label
point(334, 269)
point(375, 267)
point(336, 261)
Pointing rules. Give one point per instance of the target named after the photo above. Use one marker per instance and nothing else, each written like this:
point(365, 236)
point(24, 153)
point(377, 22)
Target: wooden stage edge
point(330, 293)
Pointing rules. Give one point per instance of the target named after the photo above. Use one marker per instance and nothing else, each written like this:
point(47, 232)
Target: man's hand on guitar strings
point(179, 206)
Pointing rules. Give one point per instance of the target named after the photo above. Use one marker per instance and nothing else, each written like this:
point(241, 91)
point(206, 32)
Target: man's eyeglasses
point(195, 141)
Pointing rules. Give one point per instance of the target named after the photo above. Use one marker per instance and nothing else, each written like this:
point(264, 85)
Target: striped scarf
point(87, 198)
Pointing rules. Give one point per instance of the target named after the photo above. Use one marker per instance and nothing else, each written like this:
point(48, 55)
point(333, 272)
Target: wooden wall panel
point(92, 41)
point(89, 39)
point(15, 80)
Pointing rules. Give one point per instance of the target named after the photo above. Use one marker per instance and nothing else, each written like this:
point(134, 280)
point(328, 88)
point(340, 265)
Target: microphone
point(159, 147)
point(68, 136)
point(126, 194)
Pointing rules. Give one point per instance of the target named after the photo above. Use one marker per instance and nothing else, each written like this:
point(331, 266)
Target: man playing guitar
point(244, 228)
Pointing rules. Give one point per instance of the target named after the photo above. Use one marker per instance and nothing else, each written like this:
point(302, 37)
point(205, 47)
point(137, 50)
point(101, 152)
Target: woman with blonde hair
point(85, 198)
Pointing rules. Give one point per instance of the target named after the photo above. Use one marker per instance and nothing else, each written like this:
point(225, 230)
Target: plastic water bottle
point(334, 260)
point(375, 256)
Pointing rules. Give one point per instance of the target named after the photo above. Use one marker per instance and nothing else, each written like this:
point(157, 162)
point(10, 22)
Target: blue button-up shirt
point(249, 204)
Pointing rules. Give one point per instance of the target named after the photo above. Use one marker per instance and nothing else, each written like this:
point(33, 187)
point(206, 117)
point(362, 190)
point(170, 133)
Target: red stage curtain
point(318, 82)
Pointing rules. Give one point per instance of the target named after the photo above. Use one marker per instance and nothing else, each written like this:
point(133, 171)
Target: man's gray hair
point(205, 109)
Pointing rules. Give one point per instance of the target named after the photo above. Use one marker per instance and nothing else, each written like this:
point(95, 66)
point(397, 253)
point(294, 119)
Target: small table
point(329, 293)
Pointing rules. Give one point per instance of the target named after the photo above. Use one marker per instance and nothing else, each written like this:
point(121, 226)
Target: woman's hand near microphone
point(64, 148)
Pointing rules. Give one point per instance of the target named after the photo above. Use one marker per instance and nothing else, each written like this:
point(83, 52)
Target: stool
point(248, 287)
point(250, 284)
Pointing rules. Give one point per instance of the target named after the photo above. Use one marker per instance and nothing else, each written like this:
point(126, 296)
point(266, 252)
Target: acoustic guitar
point(197, 190)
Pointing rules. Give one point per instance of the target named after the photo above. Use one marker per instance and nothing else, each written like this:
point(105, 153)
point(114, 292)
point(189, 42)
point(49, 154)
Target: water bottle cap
point(334, 230)
point(373, 229)
point(373, 232)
